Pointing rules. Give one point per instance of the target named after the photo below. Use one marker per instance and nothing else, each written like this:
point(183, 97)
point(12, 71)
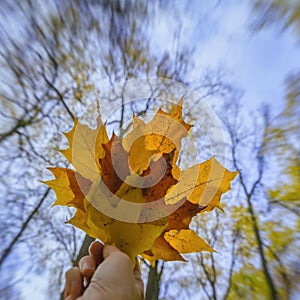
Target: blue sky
point(257, 63)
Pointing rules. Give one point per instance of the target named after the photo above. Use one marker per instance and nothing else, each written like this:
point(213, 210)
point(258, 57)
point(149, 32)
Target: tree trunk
point(152, 290)
point(268, 277)
point(7, 251)
point(84, 250)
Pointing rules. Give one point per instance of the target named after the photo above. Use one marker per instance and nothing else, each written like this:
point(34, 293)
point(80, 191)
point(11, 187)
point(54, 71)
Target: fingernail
point(87, 266)
point(69, 297)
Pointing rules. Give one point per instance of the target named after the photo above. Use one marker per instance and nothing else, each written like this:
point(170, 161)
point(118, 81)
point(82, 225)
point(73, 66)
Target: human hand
point(105, 274)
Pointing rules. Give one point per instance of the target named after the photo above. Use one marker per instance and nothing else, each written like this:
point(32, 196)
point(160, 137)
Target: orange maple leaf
point(129, 192)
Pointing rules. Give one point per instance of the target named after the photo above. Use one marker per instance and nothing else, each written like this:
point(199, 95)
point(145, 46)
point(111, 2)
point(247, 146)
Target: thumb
point(113, 276)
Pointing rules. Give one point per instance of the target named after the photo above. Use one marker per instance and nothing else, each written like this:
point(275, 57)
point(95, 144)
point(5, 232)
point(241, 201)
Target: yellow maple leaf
point(130, 192)
point(186, 241)
point(202, 184)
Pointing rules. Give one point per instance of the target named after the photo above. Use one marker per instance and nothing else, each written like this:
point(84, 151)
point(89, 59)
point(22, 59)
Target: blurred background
point(242, 57)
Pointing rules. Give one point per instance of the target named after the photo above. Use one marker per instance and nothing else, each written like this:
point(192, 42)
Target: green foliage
point(249, 283)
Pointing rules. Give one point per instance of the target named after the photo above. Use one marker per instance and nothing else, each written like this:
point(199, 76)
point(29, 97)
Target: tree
point(271, 247)
point(51, 68)
point(54, 65)
point(257, 236)
point(285, 13)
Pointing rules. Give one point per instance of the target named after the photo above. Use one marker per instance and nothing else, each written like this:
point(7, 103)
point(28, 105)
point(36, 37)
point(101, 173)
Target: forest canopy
point(68, 60)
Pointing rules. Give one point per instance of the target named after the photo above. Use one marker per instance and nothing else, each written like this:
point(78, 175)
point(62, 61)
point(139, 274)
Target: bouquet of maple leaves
point(105, 184)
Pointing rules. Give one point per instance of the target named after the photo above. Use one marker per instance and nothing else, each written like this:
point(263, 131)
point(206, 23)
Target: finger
point(87, 266)
point(138, 279)
point(95, 250)
point(137, 270)
point(108, 250)
point(116, 265)
point(73, 287)
point(115, 271)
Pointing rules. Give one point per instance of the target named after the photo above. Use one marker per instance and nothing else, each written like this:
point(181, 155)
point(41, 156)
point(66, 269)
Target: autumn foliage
point(130, 192)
